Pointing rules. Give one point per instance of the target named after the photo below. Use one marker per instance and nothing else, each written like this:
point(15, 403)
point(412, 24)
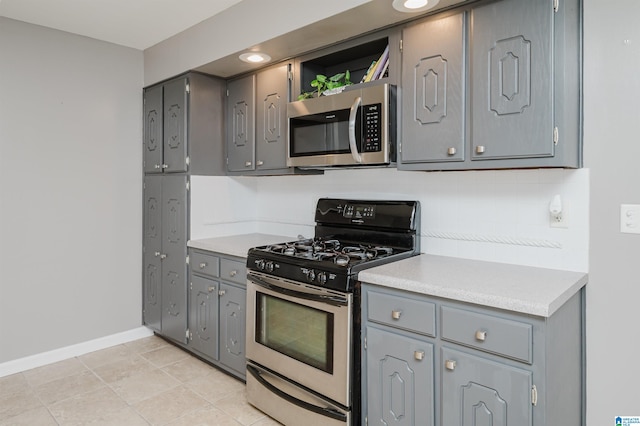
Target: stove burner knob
point(260, 264)
point(311, 275)
point(322, 278)
point(269, 266)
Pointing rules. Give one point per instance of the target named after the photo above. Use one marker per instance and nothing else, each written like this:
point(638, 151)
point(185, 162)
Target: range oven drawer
point(289, 403)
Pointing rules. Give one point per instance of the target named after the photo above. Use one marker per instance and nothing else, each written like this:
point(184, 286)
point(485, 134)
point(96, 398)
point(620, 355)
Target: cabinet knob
point(396, 315)
point(259, 163)
point(221, 292)
point(480, 149)
point(451, 151)
point(163, 256)
point(156, 254)
point(165, 166)
point(211, 289)
point(247, 164)
point(203, 265)
point(418, 355)
point(450, 364)
point(157, 166)
point(481, 335)
point(233, 273)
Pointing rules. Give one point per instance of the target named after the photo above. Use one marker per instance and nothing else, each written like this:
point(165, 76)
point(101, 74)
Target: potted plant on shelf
point(327, 85)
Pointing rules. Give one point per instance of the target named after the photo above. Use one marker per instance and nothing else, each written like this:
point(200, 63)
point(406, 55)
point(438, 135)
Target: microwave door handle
point(352, 130)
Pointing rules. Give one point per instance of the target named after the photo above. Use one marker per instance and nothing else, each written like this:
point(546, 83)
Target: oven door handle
point(330, 300)
point(328, 412)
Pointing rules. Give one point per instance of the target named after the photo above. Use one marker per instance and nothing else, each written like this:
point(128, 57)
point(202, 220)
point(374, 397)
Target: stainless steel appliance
point(303, 309)
point(352, 128)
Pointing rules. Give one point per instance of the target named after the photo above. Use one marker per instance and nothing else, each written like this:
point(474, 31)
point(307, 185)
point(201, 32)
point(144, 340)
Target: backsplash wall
point(495, 215)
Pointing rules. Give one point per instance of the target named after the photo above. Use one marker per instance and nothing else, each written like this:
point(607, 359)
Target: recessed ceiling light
point(413, 6)
point(255, 57)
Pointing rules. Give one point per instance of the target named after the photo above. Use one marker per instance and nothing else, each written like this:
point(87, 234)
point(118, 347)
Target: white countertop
point(238, 245)
point(524, 289)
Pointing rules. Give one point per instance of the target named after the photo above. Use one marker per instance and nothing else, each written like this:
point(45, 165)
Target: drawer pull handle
point(451, 151)
point(247, 164)
point(396, 315)
point(480, 149)
point(211, 289)
point(481, 335)
point(203, 265)
point(163, 256)
point(221, 293)
point(233, 273)
point(418, 355)
point(450, 364)
point(157, 254)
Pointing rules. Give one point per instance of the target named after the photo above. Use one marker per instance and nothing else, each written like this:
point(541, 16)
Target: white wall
point(70, 188)
point(612, 150)
point(488, 215)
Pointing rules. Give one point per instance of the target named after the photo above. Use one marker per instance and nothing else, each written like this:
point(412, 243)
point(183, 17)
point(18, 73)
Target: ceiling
point(133, 23)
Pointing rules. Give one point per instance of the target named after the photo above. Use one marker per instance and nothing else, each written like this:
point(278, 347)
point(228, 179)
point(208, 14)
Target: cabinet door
point(152, 249)
point(479, 392)
point(241, 124)
point(175, 125)
point(511, 54)
point(232, 326)
point(153, 130)
point(174, 253)
point(400, 386)
point(433, 91)
point(203, 315)
point(271, 118)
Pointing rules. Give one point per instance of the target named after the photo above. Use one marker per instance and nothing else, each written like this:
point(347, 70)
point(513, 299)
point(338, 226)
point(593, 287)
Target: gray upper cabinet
point(183, 126)
point(511, 70)
point(257, 122)
point(433, 83)
point(495, 85)
point(272, 95)
point(165, 253)
point(241, 141)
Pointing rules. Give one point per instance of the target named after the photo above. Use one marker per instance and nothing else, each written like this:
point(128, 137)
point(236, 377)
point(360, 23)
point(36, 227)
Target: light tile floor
point(144, 382)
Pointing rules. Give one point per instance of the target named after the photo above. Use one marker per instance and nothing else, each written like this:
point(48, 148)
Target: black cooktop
point(351, 235)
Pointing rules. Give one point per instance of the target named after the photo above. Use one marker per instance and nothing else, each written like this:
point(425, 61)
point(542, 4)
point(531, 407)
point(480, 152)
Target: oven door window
point(295, 330)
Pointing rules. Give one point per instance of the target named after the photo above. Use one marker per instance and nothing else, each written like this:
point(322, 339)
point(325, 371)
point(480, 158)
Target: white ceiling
point(133, 23)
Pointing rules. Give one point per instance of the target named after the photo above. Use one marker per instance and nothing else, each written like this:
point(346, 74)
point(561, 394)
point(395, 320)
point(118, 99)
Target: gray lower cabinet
point(496, 85)
point(217, 293)
point(399, 379)
point(433, 361)
point(184, 127)
point(164, 255)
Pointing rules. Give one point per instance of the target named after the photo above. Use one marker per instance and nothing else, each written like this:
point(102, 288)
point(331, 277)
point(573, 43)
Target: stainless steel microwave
point(352, 128)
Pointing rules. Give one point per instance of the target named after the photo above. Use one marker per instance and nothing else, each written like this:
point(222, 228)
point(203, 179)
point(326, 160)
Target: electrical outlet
point(630, 218)
point(559, 220)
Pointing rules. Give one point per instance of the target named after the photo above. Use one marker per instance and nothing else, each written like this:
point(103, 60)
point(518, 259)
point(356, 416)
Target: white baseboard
point(44, 358)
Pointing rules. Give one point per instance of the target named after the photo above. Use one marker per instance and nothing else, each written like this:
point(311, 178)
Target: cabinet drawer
point(488, 333)
point(402, 312)
point(203, 263)
point(232, 270)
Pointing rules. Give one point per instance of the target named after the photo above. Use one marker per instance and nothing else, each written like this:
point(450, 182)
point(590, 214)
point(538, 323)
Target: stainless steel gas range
point(303, 309)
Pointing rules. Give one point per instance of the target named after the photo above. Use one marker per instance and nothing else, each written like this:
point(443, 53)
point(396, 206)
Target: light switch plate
point(630, 218)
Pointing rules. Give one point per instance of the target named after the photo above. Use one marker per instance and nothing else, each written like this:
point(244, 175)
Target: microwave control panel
point(372, 131)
